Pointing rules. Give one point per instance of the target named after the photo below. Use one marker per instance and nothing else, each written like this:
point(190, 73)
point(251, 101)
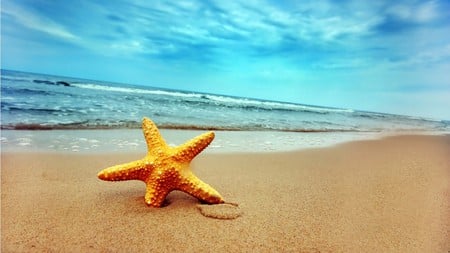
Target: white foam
point(132, 140)
point(271, 105)
point(233, 101)
point(133, 90)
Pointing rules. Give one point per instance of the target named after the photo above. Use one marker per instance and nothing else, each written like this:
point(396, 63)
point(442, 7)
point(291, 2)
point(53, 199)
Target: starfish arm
point(156, 193)
point(199, 189)
point(126, 171)
point(190, 149)
point(153, 138)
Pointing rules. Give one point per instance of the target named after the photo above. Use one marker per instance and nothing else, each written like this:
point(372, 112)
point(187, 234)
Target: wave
point(133, 90)
point(37, 110)
point(16, 79)
point(12, 108)
point(90, 104)
point(227, 101)
point(221, 100)
point(272, 105)
point(26, 91)
point(92, 125)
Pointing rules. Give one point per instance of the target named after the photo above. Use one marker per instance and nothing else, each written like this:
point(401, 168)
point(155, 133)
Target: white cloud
point(195, 33)
point(36, 22)
point(426, 11)
point(128, 46)
point(421, 13)
point(342, 63)
point(227, 25)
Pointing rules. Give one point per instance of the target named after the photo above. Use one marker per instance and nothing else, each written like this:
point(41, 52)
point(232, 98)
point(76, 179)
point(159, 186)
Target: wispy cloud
point(422, 12)
point(231, 27)
point(36, 21)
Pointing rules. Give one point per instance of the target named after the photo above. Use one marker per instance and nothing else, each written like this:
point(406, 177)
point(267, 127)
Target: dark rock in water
point(52, 83)
point(63, 83)
point(44, 82)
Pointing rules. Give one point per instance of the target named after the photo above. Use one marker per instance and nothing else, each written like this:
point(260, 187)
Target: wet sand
point(389, 195)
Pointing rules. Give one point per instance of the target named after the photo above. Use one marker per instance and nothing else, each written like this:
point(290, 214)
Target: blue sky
point(385, 56)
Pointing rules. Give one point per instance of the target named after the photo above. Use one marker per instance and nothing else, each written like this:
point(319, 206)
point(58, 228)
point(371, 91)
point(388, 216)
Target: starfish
point(165, 168)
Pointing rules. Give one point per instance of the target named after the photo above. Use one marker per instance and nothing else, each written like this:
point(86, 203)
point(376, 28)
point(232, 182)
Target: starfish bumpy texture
point(165, 168)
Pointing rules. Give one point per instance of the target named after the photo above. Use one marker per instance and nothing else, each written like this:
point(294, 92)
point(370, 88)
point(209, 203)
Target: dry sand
point(390, 195)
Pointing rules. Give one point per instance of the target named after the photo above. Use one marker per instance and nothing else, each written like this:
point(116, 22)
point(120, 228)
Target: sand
point(389, 195)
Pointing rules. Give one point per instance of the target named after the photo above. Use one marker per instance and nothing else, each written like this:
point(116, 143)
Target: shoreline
point(385, 195)
point(131, 140)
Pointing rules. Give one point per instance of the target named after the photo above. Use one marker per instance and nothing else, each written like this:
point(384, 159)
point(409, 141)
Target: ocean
point(77, 110)
point(37, 101)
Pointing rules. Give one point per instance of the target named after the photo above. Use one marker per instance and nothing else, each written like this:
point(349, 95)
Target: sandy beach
point(389, 195)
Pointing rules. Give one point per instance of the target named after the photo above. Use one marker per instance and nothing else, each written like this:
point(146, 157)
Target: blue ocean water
point(38, 101)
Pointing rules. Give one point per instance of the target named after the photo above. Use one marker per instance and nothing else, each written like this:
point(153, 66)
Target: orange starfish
point(165, 168)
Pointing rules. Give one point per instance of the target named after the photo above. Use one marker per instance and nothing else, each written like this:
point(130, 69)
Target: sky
point(383, 56)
